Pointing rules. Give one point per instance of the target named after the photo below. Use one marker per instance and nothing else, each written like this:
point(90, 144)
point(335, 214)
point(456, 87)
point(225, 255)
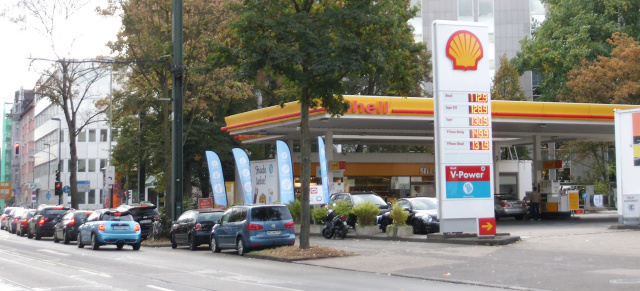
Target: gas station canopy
point(410, 121)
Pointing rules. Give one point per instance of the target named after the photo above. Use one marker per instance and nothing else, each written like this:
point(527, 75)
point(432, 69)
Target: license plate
point(273, 232)
point(120, 227)
point(145, 221)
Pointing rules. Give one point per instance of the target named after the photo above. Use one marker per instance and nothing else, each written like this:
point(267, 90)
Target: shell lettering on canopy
point(465, 50)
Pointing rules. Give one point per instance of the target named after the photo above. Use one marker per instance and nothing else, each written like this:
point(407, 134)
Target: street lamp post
point(49, 172)
point(60, 200)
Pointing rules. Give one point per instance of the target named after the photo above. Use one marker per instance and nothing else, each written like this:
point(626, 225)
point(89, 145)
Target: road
point(552, 255)
point(27, 264)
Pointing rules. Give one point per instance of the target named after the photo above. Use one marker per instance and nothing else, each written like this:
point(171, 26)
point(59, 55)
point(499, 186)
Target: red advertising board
point(487, 226)
point(468, 173)
point(204, 203)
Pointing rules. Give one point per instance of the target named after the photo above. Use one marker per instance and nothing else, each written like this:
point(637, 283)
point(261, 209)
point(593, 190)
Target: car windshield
point(424, 204)
point(116, 217)
point(51, 213)
point(361, 198)
point(270, 213)
point(209, 216)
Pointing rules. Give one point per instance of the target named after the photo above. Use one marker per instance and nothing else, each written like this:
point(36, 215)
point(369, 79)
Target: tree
point(67, 82)
point(313, 46)
point(211, 91)
point(506, 82)
point(608, 80)
point(574, 30)
point(593, 156)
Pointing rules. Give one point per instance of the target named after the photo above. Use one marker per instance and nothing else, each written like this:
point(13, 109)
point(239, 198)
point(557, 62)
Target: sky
point(84, 36)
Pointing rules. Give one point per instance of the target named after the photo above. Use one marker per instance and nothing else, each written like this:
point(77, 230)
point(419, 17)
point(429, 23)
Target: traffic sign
point(48, 195)
point(66, 189)
point(486, 226)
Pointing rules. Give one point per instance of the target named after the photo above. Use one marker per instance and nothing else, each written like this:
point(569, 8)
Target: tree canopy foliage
point(574, 30)
point(506, 82)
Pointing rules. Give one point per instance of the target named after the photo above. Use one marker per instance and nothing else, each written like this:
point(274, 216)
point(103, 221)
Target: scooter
point(334, 225)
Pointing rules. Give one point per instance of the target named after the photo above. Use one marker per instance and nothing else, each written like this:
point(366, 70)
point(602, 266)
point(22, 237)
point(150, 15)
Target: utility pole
point(178, 71)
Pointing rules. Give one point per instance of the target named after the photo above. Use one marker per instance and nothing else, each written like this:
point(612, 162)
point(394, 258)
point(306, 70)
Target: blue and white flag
point(285, 172)
point(217, 178)
point(242, 166)
point(322, 157)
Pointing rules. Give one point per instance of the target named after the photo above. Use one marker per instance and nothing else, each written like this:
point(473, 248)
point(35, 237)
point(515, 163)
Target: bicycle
point(156, 230)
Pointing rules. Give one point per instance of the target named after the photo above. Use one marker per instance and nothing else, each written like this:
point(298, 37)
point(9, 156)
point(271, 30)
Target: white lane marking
point(53, 252)
point(96, 273)
point(159, 288)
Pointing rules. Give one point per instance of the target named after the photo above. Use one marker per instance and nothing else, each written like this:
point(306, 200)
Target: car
point(194, 227)
point(356, 198)
point(248, 227)
point(24, 220)
point(66, 229)
point(4, 221)
point(423, 214)
point(144, 213)
point(14, 219)
point(42, 222)
point(508, 205)
point(109, 227)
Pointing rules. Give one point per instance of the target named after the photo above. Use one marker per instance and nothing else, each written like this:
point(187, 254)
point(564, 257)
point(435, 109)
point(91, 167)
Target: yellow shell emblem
point(465, 50)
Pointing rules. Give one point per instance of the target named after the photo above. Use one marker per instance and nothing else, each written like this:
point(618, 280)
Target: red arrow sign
point(487, 226)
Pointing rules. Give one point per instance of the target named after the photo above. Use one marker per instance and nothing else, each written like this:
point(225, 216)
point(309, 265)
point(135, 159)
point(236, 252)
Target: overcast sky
point(90, 31)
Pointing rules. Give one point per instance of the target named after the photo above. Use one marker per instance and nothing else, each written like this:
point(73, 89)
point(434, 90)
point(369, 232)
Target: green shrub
point(319, 214)
point(342, 207)
point(398, 214)
point(366, 213)
point(295, 207)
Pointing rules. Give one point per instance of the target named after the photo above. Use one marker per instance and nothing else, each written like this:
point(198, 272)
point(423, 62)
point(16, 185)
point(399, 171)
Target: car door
point(62, 223)
point(222, 230)
point(406, 205)
point(84, 231)
point(181, 228)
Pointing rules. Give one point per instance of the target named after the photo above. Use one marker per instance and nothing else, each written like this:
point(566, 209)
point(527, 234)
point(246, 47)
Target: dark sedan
point(194, 227)
point(423, 214)
point(66, 229)
point(41, 224)
point(24, 219)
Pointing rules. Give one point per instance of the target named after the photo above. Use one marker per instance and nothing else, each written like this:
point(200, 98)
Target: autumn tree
point(67, 82)
point(506, 82)
point(313, 46)
point(572, 31)
point(142, 108)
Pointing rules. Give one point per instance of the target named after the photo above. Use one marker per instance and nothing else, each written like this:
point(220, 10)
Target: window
point(103, 134)
point(92, 196)
point(92, 165)
point(82, 136)
point(92, 135)
point(103, 163)
point(82, 165)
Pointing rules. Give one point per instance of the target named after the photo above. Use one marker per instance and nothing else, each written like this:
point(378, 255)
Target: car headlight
point(427, 218)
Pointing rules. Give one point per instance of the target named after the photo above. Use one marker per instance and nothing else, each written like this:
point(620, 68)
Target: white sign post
point(464, 160)
point(627, 126)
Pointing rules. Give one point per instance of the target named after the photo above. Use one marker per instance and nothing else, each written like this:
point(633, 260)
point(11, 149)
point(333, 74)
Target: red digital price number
point(479, 121)
point(476, 97)
point(479, 133)
point(478, 109)
point(479, 145)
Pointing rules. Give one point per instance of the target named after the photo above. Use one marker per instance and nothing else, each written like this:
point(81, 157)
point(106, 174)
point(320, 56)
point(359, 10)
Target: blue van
point(247, 227)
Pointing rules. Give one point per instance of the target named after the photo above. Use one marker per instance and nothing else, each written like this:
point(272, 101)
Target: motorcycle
point(335, 225)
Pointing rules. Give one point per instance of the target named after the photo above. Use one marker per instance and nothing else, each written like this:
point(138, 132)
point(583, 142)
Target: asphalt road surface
point(571, 254)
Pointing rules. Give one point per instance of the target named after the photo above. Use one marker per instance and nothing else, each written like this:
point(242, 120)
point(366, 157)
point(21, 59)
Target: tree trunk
point(305, 168)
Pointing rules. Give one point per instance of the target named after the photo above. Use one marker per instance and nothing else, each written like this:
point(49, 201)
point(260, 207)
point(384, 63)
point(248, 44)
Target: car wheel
point(119, 246)
point(192, 243)
point(416, 227)
point(55, 238)
point(80, 244)
point(65, 237)
point(240, 246)
point(29, 235)
point(94, 242)
point(136, 246)
point(213, 244)
point(38, 236)
point(173, 241)
point(519, 217)
point(21, 233)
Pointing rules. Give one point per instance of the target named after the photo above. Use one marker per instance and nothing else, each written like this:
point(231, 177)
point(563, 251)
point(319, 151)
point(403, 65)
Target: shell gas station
point(467, 128)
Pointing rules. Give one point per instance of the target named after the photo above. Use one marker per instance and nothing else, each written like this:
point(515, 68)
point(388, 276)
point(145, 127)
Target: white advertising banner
point(627, 132)
point(463, 134)
point(264, 177)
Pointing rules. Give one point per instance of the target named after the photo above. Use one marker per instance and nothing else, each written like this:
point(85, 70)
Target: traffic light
point(17, 146)
point(58, 188)
point(57, 176)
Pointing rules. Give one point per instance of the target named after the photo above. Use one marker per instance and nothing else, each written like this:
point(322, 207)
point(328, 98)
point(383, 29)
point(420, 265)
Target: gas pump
point(554, 201)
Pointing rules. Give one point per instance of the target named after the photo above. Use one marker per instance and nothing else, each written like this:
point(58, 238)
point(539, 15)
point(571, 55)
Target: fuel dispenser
point(554, 201)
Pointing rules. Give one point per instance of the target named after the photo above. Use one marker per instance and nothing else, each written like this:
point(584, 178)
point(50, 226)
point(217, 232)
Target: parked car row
point(241, 227)
point(95, 228)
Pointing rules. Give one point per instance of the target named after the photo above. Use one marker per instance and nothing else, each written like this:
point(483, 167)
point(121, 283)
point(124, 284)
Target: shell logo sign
point(465, 50)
